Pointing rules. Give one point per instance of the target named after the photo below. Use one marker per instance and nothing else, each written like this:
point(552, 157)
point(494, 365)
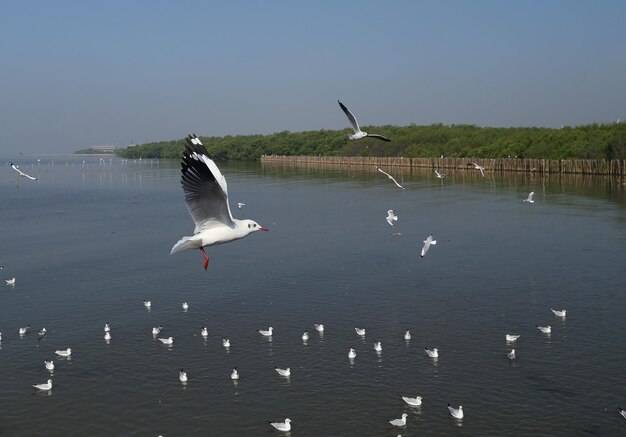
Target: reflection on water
point(90, 241)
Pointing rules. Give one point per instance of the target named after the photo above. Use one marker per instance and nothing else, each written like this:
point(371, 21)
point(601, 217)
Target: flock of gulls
point(206, 196)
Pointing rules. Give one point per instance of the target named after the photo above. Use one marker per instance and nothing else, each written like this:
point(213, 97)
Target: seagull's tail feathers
point(184, 244)
point(433, 242)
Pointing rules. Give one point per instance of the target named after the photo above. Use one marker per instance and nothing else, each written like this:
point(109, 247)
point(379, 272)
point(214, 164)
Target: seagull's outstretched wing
point(206, 192)
point(390, 177)
point(21, 173)
point(378, 137)
point(352, 118)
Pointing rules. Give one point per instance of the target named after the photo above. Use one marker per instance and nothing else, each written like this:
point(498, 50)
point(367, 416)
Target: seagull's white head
point(287, 420)
point(253, 226)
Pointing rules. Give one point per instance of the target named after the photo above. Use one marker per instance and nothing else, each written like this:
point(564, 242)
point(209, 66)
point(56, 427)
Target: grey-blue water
point(87, 244)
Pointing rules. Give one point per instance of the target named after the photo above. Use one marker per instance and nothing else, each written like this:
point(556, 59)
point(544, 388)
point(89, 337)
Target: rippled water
point(88, 243)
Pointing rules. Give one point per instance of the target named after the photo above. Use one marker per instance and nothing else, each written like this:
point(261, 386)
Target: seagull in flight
point(530, 197)
point(21, 173)
point(427, 243)
point(440, 175)
point(358, 133)
point(391, 217)
point(479, 167)
point(390, 177)
point(206, 195)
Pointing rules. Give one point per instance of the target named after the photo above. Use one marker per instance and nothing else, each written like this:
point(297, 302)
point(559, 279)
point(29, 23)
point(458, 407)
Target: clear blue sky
point(81, 73)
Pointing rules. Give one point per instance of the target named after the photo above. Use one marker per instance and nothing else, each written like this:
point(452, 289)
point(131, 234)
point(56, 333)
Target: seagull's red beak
point(263, 229)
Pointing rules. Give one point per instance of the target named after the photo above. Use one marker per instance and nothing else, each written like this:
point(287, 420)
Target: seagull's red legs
point(206, 258)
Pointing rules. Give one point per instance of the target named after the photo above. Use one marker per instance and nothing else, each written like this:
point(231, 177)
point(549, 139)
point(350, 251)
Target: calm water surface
point(88, 243)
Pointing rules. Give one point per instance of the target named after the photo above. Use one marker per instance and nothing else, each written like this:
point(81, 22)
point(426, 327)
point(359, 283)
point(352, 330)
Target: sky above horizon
point(77, 74)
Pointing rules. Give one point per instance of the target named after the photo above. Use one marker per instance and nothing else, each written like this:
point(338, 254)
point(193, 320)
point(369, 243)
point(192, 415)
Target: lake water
point(87, 244)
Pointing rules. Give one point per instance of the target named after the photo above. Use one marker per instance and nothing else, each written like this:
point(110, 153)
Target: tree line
point(592, 141)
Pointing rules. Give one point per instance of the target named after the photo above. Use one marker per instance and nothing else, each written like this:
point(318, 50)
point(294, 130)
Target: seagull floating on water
point(185, 306)
point(407, 335)
point(457, 413)
point(25, 330)
point(440, 175)
point(204, 332)
point(478, 167)
point(622, 412)
point(399, 422)
point(147, 303)
point(559, 313)
point(64, 353)
point(44, 387)
point(168, 340)
point(234, 374)
point(511, 337)
point(157, 330)
point(391, 217)
point(49, 365)
point(106, 327)
point(283, 372)
point(21, 173)
point(206, 195)
point(427, 243)
point(390, 177)
point(530, 197)
point(226, 343)
point(107, 335)
point(319, 327)
point(414, 402)
point(267, 333)
point(182, 375)
point(360, 331)
point(433, 353)
point(511, 355)
point(42, 333)
point(545, 329)
point(305, 336)
point(10, 281)
point(352, 354)
point(378, 347)
point(282, 426)
point(358, 133)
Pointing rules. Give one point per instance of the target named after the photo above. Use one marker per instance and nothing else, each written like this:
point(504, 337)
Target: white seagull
point(283, 372)
point(358, 133)
point(106, 327)
point(511, 355)
point(360, 331)
point(440, 175)
point(226, 343)
point(44, 387)
point(21, 173)
point(399, 422)
point(204, 332)
point(168, 340)
point(457, 413)
point(390, 177)
point(378, 347)
point(391, 217)
point(433, 353)
point(407, 335)
point(479, 167)
point(352, 354)
point(414, 402)
point(10, 281)
point(206, 195)
point(42, 333)
point(182, 375)
point(319, 327)
point(267, 333)
point(240, 205)
point(282, 426)
point(25, 330)
point(427, 243)
point(559, 313)
point(530, 197)
point(305, 336)
point(157, 330)
point(511, 337)
point(234, 375)
point(622, 412)
point(64, 353)
point(49, 364)
point(107, 335)
point(147, 303)
point(185, 306)
point(545, 329)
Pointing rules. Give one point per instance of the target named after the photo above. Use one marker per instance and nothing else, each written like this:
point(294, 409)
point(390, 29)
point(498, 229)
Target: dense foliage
point(593, 141)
